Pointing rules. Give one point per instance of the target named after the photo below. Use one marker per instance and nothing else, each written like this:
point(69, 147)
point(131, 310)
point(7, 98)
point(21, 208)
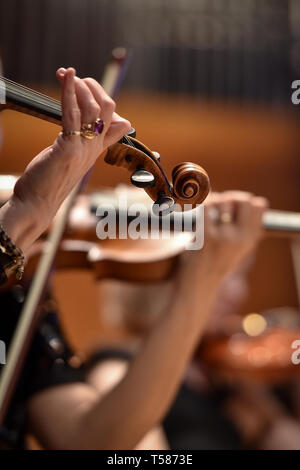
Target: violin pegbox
point(190, 182)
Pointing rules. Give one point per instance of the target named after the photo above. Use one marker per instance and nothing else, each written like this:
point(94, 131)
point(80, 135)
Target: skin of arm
point(262, 421)
point(80, 419)
point(104, 377)
point(100, 381)
point(52, 174)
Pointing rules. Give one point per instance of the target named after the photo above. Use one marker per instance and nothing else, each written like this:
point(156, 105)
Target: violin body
point(109, 261)
point(238, 358)
point(119, 259)
point(230, 357)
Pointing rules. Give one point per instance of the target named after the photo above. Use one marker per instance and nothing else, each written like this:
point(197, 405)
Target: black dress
point(47, 363)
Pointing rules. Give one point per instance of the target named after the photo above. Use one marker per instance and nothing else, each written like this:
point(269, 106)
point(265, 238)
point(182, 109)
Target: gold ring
point(226, 217)
point(218, 217)
point(89, 131)
point(71, 132)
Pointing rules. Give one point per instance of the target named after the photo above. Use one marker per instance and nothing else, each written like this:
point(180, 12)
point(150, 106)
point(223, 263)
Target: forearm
point(19, 223)
point(142, 398)
point(38, 195)
point(283, 434)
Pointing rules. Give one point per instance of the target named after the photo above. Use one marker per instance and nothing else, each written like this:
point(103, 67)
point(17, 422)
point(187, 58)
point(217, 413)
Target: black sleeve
point(47, 364)
point(3, 276)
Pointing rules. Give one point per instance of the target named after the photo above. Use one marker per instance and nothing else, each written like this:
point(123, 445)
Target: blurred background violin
point(255, 347)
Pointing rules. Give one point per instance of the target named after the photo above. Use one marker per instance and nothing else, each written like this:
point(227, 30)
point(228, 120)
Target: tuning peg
point(142, 179)
point(157, 155)
point(163, 206)
point(131, 132)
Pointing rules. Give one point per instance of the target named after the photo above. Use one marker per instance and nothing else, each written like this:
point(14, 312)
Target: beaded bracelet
point(11, 257)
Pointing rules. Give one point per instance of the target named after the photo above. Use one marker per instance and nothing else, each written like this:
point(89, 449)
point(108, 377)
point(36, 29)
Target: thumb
point(117, 129)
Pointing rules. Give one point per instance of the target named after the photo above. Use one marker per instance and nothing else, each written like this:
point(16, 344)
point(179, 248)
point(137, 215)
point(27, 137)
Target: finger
point(261, 202)
point(250, 215)
point(226, 208)
point(89, 108)
point(227, 212)
point(238, 195)
point(106, 104)
point(212, 197)
point(259, 206)
point(70, 109)
point(210, 220)
point(60, 73)
point(118, 128)
point(242, 204)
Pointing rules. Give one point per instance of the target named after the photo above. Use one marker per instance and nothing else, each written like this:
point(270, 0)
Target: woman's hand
point(235, 232)
point(232, 230)
point(84, 101)
point(52, 174)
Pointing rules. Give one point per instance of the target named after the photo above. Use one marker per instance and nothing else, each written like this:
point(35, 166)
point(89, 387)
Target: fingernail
point(61, 72)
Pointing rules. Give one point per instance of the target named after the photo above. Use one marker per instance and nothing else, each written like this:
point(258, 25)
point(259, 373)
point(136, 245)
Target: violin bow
point(113, 77)
point(275, 223)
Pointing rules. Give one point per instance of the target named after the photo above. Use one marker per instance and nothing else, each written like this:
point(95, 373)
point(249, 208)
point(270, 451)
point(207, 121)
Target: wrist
point(194, 303)
point(20, 222)
point(222, 259)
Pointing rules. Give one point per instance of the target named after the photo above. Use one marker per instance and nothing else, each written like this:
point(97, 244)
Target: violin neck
point(282, 222)
point(23, 99)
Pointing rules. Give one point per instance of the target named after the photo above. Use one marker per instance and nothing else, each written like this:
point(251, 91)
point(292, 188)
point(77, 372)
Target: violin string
point(25, 92)
point(22, 91)
point(128, 141)
point(18, 86)
point(36, 99)
point(32, 97)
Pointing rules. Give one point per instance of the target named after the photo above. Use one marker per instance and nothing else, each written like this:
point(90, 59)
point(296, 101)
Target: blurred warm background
point(209, 81)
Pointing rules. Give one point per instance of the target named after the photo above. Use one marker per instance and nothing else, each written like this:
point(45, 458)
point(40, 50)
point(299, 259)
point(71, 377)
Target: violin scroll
point(190, 181)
